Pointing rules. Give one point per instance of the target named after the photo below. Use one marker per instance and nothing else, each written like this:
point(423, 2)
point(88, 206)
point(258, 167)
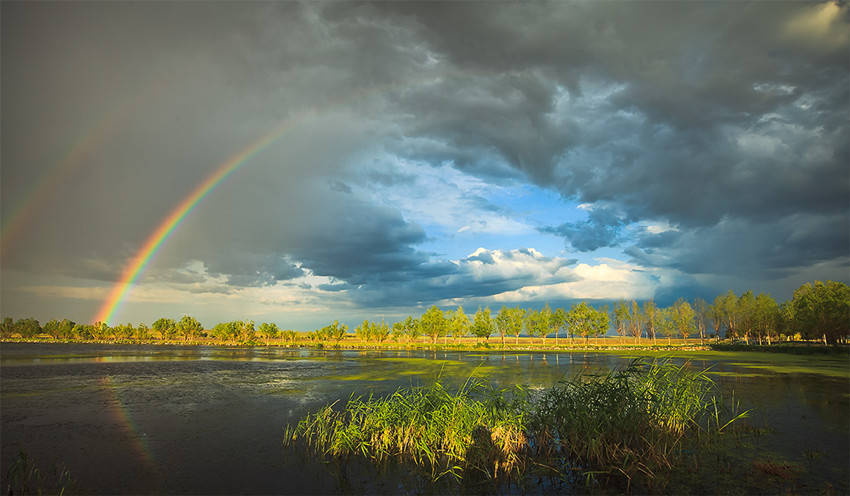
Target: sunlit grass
point(474, 428)
point(625, 426)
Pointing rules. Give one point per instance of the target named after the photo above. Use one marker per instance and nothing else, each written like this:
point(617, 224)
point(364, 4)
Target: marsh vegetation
point(628, 427)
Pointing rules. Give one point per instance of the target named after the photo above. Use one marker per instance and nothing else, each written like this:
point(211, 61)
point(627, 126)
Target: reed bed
point(625, 427)
point(449, 433)
point(629, 424)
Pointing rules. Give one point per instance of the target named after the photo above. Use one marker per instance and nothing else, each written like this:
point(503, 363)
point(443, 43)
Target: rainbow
point(55, 177)
point(122, 416)
point(151, 246)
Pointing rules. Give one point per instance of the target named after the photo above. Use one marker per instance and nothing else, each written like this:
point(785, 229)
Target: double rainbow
point(149, 249)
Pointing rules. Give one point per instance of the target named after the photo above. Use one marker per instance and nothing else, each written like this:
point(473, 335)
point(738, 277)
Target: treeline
point(435, 324)
point(819, 311)
point(187, 329)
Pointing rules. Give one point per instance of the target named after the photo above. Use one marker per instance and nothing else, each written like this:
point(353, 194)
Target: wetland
point(189, 420)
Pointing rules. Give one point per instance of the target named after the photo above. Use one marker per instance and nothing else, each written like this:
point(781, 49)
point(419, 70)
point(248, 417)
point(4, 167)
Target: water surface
point(203, 420)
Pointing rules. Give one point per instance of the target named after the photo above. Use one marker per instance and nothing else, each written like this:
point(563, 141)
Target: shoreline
point(481, 347)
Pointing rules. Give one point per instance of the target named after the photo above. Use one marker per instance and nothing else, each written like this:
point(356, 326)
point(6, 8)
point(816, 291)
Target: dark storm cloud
point(725, 120)
point(690, 113)
point(767, 250)
point(602, 228)
point(481, 275)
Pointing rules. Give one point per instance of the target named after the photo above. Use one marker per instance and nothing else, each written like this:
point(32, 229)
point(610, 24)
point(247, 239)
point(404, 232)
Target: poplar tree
point(482, 324)
point(434, 323)
point(459, 323)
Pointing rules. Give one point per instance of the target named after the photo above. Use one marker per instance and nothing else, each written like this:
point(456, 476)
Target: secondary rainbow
point(86, 145)
point(143, 257)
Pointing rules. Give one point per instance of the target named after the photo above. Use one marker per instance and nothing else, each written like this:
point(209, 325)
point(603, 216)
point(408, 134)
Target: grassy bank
point(524, 344)
point(625, 430)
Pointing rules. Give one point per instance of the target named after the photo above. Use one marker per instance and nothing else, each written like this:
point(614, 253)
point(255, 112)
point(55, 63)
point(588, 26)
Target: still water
point(204, 420)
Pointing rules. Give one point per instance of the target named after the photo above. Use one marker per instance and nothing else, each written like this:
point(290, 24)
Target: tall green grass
point(630, 424)
point(627, 426)
point(475, 428)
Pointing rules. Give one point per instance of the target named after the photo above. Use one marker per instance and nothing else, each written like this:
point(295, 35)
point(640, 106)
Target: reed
point(450, 433)
point(627, 426)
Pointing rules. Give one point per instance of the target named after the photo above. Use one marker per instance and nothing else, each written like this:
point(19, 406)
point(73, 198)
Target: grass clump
point(474, 429)
point(625, 428)
point(629, 425)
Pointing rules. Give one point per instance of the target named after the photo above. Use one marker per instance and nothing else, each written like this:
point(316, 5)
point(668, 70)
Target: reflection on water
point(140, 419)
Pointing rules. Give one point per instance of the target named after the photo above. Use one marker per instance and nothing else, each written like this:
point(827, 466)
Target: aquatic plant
point(24, 477)
point(475, 428)
point(631, 423)
point(625, 426)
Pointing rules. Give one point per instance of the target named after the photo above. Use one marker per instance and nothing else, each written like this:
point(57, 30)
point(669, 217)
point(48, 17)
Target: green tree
point(27, 328)
point(650, 318)
point(412, 328)
point(766, 317)
point(558, 322)
point(290, 335)
point(434, 324)
point(398, 331)
point(189, 327)
point(246, 333)
point(167, 328)
point(534, 324)
point(381, 331)
point(745, 312)
point(7, 327)
point(82, 331)
point(517, 315)
point(726, 308)
point(482, 324)
point(141, 333)
point(621, 317)
point(822, 311)
point(544, 320)
point(66, 329)
point(51, 328)
point(702, 311)
point(666, 322)
point(683, 317)
point(268, 330)
point(337, 331)
point(635, 320)
point(503, 323)
point(364, 331)
point(599, 321)
point(459, 322)
point(581, 318)
point(124, 331)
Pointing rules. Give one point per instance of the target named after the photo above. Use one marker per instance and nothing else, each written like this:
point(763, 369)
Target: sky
point(463, 153)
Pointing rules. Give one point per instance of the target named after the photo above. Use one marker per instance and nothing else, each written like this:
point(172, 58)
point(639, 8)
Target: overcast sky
point(467, 153)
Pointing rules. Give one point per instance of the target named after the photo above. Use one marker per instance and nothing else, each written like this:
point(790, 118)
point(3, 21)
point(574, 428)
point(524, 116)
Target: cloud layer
point(685, 147)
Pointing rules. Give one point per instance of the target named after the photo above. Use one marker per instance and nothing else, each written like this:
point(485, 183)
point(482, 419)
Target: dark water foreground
point(150, 419)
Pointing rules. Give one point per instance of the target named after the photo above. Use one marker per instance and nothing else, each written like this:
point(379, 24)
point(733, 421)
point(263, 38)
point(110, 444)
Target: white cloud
point(445, 197)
